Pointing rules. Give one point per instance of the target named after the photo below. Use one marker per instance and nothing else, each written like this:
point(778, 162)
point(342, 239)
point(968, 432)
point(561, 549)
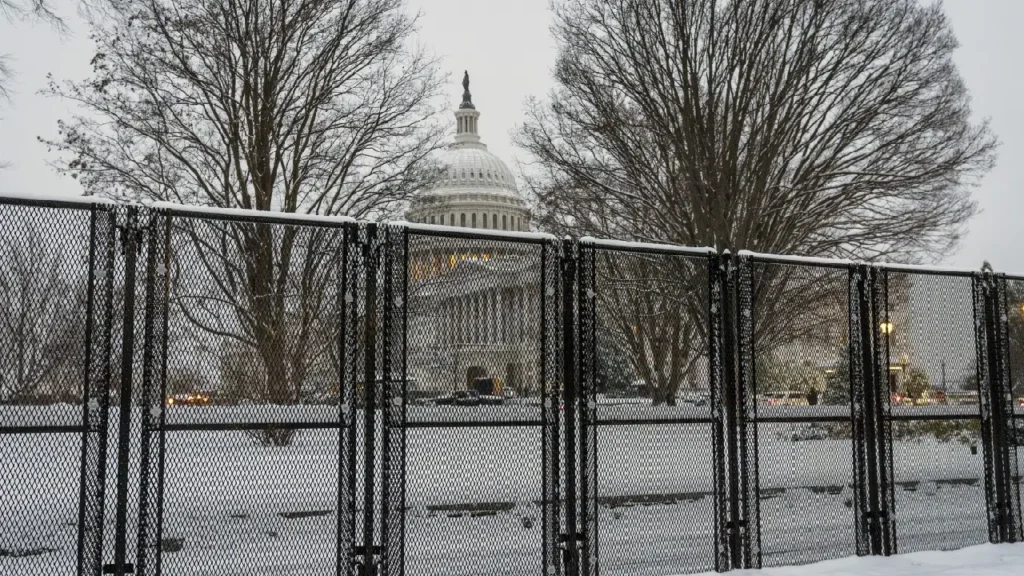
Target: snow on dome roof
point(466, 164)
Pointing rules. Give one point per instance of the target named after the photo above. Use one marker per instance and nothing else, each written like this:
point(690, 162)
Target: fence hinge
point(131, 222)
point(369, 560)
point(570, 545)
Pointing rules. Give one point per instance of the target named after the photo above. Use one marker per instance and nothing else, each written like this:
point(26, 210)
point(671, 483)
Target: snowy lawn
point(472, 497)
point(983, 560)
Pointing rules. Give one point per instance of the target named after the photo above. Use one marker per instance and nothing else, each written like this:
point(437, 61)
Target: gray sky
point(509, 53)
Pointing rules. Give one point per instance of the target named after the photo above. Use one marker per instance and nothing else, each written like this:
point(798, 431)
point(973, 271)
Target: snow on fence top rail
point(55, 199)
point(242, 213)
point(647, 246)
point(804, 260)
point(842, 262)
point(925, 269)
point(461, 231)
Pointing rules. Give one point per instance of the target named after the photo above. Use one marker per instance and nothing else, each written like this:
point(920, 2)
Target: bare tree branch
point(818, 127)
point(299, 106)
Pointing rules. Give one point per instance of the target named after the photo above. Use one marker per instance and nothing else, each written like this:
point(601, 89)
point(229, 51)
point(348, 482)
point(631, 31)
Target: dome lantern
point(466, 118)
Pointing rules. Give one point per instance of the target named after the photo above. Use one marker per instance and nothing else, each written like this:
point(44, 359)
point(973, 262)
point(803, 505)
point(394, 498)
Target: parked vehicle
point(469, 398)
point(196, 399)
point(904, 400)
point(488, 386)
point(788, 398)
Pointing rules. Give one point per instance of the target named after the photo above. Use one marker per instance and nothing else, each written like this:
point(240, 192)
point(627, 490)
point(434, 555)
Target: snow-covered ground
point(982, 560)
point(473, 499)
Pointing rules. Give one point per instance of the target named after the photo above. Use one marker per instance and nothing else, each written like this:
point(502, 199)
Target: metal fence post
point(550, 429)
point(569, 538)
point(987, 397)
point(858, 318)
point(348, 371)
point(586, 381)
point(96, 392)
point(1014, 524)
point(367, 558)
point(131, 230)
point(154, 385)
point(394, 398)
point(731, 414)
point(997, 414)
point(877, 422)
point(749, 522)
point(869, 370)
point(717, 355)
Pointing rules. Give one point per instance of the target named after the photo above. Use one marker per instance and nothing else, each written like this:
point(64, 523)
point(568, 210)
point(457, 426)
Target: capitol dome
point(476, 188)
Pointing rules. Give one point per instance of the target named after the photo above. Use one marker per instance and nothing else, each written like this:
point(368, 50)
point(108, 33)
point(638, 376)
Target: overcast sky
point(509, 53)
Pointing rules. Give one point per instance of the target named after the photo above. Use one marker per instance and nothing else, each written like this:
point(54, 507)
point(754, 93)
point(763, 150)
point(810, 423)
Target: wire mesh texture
point(249, 414)
point(644, 356)
point(317, 396)
point(54, 338)
point(938, 472)
point(805, 473)
point(475, 317)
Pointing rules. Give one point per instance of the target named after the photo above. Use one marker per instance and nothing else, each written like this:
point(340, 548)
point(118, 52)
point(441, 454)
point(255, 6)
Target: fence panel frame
point(585, 254)
point(395, 251)
point(158, 232)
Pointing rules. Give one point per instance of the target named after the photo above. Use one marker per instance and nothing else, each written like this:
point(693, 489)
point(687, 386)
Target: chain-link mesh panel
point(55, 269)
point(931, 377)
point(805, 448)
point(245, 407)
point(646, 370)
point(479, 317)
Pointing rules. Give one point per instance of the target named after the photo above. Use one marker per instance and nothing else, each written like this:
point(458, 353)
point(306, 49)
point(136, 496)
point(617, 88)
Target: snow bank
point(982, 560)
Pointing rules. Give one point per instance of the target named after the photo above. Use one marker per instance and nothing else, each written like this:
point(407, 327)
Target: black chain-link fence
point(801, 388)
point(651, 433)
point(56, 270)
point(472, 321)
point(191, 391)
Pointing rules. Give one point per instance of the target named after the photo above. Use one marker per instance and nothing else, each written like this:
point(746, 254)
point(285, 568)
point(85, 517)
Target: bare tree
point(819, 127)
point(11, 10)
point(299, 106)
point(42, 322)
point(826, 127)
point(38, 9)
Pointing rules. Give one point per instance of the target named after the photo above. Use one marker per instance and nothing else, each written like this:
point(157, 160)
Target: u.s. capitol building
point(474, 304)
